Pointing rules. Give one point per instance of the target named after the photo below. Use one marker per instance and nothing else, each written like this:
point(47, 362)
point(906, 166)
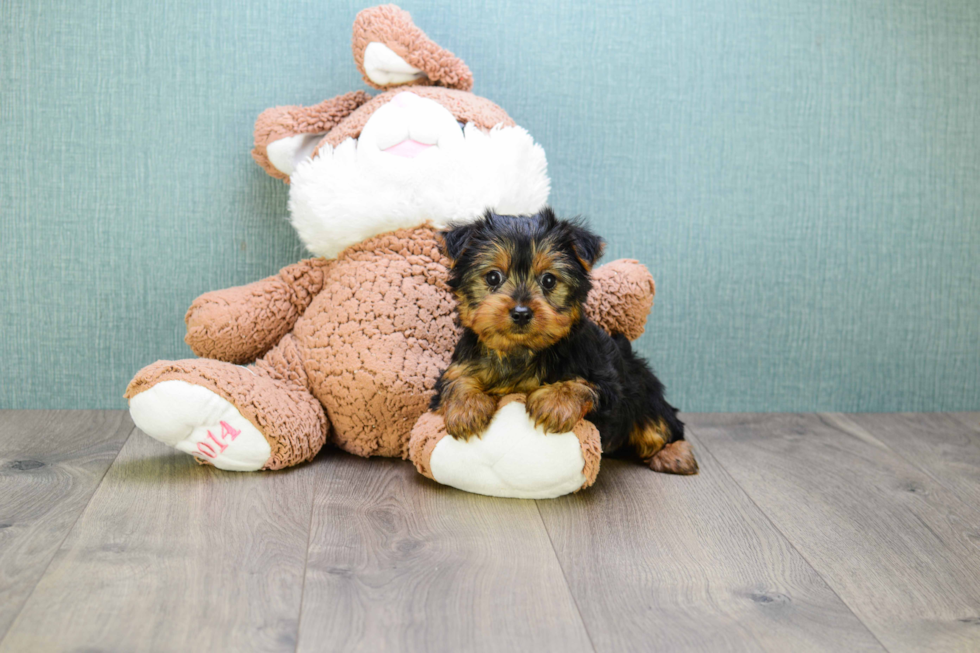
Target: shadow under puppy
point(521, 284)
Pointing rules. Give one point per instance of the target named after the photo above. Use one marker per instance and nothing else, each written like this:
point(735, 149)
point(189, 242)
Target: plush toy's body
point(349, 345)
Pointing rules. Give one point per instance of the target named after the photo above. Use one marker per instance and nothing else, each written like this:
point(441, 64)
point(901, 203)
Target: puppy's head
point(521, 282)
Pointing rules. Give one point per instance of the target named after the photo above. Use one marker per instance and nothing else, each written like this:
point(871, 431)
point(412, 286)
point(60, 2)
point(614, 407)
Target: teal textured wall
point(803, 178)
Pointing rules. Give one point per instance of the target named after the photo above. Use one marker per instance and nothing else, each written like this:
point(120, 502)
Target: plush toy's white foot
point(513, 459)
point(199, 422)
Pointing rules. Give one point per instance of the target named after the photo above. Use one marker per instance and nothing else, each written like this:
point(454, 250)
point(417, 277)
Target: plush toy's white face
point(413, 164)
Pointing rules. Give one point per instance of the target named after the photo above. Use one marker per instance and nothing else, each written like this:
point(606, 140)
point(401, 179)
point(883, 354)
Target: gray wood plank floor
point(50, 464)
point(172, 556)
point(398, 562)
point(947, 447)
point(897, 546)
point(691, 564)
point(802, 533)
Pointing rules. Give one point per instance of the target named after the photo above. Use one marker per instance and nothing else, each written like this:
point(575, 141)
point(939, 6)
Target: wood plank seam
point(185, 558)
point(842, 422)
point(707, 450)
point(564, 576)
point(67, 534)
point(306, 568)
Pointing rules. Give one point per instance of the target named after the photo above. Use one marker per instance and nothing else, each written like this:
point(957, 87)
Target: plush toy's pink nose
point(405, 99)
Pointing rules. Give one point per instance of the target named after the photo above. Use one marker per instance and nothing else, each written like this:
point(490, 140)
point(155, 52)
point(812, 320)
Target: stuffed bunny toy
point(346, 347)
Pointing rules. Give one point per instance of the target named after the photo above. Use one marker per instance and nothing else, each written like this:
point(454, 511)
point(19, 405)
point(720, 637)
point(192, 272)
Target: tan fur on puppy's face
point(486, 309)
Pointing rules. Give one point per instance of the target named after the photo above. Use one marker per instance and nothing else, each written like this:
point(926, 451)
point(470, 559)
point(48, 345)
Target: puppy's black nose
point(521, 315)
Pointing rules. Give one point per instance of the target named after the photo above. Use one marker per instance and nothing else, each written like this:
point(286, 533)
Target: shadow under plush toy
point(350, 345)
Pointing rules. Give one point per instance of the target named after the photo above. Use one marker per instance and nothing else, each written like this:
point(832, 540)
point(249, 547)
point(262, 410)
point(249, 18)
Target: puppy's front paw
point(469, 415)
point(559, 406)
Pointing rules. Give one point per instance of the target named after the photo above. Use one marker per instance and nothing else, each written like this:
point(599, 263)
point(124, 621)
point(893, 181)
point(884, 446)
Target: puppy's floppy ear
point(587, 245)
point(454, 241)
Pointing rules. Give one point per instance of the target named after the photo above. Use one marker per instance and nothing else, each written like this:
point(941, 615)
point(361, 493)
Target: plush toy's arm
point(621, 297)
point(239, 324)
point(285, 135)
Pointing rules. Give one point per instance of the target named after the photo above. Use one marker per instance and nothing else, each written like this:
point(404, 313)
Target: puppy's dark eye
point(494, 278)
point(548, 281)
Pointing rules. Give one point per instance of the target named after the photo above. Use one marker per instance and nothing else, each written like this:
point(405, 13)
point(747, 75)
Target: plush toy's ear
point(390, 50)
point(287, 153)
point(455, 240)
point(284, 136)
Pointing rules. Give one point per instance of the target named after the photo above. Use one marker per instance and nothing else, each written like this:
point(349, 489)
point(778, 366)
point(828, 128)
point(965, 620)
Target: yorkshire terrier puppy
point(521, 284)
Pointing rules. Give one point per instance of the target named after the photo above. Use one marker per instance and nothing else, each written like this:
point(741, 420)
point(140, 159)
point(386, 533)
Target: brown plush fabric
point(240, 324)
point(358, 342)
point(509, 399)
point(283, 122)
point(464, 106)
point(394, 28)
point(272, 395)
point(344, 116)
point(382, 329)
point(428, 431)
point(588, 437)
point(376, 338)
point(352, 112)
point(370, 333)
point(621, 297)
